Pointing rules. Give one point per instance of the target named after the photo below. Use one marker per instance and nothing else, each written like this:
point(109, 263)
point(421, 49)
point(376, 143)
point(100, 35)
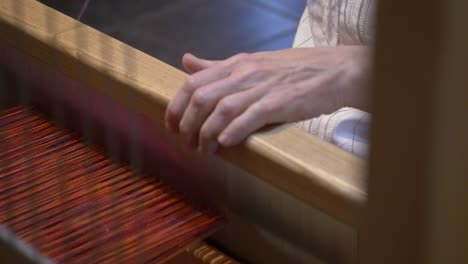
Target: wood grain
point(202, 253)
point(287, 157)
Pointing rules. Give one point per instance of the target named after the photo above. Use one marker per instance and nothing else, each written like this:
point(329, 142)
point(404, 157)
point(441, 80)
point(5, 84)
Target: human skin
point(222, 102)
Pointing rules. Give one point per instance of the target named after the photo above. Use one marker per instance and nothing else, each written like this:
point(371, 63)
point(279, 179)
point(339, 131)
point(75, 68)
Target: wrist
point(354, 88)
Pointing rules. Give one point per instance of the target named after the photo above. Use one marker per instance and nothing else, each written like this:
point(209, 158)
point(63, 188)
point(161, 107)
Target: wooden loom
point(270, 187)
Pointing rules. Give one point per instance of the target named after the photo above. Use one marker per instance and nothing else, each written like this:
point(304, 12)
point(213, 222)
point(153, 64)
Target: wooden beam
point(287, 157)
point(202, 253)
point(418, 189)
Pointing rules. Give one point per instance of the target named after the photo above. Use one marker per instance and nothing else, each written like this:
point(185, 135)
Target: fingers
point(194, 64)
point(202, 103)
point(179, 103)
point(217, 98)
point(218, 71)
point(255, 117)
point(226, 110)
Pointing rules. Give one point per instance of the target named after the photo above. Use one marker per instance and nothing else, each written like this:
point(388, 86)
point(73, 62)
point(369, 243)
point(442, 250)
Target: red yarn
point(83, 9)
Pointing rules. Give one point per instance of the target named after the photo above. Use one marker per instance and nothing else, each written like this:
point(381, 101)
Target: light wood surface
point(202, 253)
point(287, 157)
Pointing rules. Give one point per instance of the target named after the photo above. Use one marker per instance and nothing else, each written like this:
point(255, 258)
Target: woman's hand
point(222, 102)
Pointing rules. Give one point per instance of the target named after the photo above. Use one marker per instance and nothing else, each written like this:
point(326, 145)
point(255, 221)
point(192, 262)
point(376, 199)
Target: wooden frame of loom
point(418, 188)
point(319, 174)
point(287, 157)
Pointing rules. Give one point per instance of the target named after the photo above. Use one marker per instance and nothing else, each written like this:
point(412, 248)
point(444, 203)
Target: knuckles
point(191, 84)
point(242, 67)
point(244, 62)
point(240, 58)
point(248, 70)
point(265, 108)
point(226, 107)
point(200, 98)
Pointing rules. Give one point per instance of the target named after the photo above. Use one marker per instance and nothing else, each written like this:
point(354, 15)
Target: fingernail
point(190, 55)
point(224, 140)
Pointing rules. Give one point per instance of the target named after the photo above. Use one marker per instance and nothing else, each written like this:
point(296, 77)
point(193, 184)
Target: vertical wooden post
point(447, 232)
point(418, 186)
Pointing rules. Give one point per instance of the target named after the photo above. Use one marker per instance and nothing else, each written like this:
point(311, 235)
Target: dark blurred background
point(215, 29)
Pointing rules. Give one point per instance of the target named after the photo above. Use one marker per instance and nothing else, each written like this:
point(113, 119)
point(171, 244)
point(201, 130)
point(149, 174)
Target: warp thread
point(83, 9)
